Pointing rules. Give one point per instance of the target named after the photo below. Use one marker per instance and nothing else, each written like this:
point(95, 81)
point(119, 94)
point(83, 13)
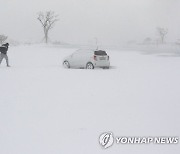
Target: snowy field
point(46, 109)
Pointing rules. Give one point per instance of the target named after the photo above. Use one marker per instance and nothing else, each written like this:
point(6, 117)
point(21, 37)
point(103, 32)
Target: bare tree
point(162, 32)
point(47, 20)
point(3, 38)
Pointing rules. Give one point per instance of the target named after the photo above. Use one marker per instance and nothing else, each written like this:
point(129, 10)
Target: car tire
point(89, 66)
point(66, 64)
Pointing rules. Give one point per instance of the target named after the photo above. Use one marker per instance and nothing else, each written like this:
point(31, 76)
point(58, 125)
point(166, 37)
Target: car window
point(100, 53)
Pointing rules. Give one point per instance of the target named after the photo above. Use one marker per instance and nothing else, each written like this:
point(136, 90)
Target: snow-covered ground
point(46, 109)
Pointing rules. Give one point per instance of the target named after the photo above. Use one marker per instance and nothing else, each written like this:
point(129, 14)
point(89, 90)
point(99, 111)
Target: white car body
point(89, 59)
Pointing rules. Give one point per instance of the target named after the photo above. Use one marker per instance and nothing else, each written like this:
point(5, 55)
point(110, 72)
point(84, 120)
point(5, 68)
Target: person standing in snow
point(3, 53)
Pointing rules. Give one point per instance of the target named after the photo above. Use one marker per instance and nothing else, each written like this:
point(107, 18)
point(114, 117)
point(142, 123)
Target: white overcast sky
point(111, 21)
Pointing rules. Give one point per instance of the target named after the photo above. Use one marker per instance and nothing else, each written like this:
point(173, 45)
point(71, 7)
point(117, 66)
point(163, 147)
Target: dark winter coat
point(4, 48)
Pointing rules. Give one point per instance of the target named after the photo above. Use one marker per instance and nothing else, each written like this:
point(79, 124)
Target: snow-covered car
point(88, 59)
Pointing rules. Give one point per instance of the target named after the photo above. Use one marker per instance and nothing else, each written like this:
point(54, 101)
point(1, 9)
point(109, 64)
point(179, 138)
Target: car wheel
point(89, 66)
point(66, 64)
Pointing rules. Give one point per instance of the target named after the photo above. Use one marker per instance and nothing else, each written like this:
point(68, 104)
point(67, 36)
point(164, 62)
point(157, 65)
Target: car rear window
point(100, 52)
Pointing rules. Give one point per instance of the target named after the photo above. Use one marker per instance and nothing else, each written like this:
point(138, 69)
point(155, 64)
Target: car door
point(75, 60)
point(78, 59)
point(85, 58)
point(82, 59)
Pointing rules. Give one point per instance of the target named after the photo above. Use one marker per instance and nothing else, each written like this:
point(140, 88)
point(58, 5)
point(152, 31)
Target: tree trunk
point(46, 35)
